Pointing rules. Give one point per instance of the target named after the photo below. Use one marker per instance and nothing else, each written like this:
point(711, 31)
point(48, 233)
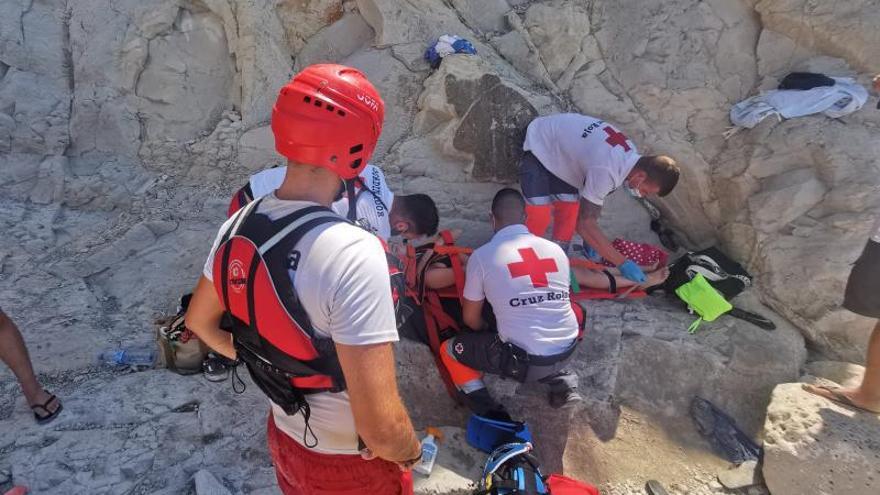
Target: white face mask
point(633, 191)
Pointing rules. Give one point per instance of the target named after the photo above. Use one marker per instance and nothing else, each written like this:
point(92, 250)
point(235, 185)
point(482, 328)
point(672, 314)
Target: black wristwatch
point(412, 462)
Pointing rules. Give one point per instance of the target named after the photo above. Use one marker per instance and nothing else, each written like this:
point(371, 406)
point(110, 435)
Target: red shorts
point(301, 471)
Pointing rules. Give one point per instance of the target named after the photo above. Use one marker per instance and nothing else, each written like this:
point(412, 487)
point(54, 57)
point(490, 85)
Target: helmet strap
point(352, 199)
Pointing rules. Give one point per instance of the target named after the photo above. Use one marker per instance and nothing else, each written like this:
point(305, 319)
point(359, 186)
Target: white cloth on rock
point(845, 97)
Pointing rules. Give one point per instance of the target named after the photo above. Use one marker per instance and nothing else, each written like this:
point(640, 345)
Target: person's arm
point(380, 417)
point(203, 318)
point(439, 276)
point(588, 228)
point(473, 295)
point(360, 320)
point(472, 314)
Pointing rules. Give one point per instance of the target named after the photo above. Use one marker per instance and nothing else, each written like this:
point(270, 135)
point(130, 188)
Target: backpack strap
point(457, 268)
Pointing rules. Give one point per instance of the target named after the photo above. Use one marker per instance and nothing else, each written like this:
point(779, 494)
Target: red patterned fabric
point(643, 254)
point(301, 471)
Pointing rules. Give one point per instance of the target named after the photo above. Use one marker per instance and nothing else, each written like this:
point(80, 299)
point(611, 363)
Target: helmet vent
point(356, 149)
point(307, 99)
point(317, 103)
point(357, 163)
point(330, 108)
point(341, 113)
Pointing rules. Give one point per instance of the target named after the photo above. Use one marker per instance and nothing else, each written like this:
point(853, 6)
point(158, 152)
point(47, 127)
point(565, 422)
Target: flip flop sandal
point(50, 415)
point(653, 487)
point(836, 396)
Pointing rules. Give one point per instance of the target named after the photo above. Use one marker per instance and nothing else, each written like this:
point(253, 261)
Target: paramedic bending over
point(571, 163)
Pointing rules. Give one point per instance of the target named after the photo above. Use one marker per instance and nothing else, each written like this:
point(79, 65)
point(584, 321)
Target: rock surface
point(124, 130)
point(813, 445)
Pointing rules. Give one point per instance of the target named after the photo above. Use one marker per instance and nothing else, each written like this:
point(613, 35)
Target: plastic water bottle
point(429, 451)
point(140, 356)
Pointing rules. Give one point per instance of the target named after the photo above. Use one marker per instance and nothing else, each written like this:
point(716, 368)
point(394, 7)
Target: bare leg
point(597, 280)
point(14, 353)
point(867, 395)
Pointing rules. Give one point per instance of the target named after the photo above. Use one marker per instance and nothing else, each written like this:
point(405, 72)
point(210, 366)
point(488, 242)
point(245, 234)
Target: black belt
point(555, 358)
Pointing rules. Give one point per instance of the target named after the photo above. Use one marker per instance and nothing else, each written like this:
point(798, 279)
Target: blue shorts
point(540, 186)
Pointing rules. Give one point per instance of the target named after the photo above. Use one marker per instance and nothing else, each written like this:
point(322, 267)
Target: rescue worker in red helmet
point(307, 293)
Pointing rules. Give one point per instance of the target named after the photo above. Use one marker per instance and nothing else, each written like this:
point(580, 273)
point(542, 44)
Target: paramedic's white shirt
point(526, 280)
point(342, 283)
point(585, 152)
point(372, 208)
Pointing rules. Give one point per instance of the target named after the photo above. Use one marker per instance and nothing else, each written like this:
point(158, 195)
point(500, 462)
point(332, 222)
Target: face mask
point(633, 191)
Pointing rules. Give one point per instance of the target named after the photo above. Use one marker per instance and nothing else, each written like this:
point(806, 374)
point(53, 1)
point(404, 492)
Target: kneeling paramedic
point(526, 280)
point(308, 295)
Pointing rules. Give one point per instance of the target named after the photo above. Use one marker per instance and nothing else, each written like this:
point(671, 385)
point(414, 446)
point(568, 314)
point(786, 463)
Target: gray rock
point(335, 42)
point(745, 475)
point(483, 16)
point(493, 125)
point(186, 81)
point(256, 149)
point(207, 484)
point(813, 445)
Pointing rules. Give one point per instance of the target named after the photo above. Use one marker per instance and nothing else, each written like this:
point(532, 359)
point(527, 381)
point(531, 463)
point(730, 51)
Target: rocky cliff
point(126, 124)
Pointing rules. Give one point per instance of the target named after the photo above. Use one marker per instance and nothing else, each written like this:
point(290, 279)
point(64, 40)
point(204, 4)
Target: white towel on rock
point(845, 97)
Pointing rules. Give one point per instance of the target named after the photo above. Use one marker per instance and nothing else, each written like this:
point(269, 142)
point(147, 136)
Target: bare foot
point(657, 277)
point(851, 397)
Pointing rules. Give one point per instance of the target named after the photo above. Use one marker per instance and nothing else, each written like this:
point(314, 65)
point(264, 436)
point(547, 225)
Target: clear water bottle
point(137, 356)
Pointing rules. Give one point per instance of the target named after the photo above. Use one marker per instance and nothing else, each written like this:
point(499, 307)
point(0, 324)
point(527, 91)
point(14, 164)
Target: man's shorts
point(863, 287)
point(539, 186)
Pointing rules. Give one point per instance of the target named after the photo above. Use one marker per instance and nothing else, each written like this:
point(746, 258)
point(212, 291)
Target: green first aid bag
point(703, 299)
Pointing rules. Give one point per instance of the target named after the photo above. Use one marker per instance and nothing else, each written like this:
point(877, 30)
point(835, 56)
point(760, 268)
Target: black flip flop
point(653, 487)
point(50, 415)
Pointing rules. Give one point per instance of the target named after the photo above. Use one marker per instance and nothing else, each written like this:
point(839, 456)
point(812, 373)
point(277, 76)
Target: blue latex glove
point(591, 254)
point(630, 270)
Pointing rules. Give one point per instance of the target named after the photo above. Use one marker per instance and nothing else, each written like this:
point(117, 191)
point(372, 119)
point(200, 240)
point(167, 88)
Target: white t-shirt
point(342, 283)
point(372, 204)
point(585, 152)
point(526, 280)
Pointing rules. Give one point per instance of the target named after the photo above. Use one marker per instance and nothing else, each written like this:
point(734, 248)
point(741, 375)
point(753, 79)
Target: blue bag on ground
point(487, 434)
point(721, 431)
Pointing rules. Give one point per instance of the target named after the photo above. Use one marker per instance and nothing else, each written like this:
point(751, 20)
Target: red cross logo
point(536, 268)
point(616, 138)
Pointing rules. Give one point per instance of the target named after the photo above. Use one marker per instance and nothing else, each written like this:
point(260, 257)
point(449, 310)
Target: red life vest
point(271, 331)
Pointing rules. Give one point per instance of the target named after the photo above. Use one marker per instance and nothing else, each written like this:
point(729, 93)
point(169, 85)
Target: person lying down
point(611, 280)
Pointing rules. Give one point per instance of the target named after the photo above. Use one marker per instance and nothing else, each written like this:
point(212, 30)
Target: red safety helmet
point(330, 116)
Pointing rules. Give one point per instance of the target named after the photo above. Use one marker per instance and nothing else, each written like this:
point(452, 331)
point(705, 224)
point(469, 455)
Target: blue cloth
point(447, 45)
point(630, 270)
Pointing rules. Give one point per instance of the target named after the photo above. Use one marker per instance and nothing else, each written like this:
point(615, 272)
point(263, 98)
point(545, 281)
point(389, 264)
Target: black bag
point(727, 276)
point(805, 80)
point(724, 274)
